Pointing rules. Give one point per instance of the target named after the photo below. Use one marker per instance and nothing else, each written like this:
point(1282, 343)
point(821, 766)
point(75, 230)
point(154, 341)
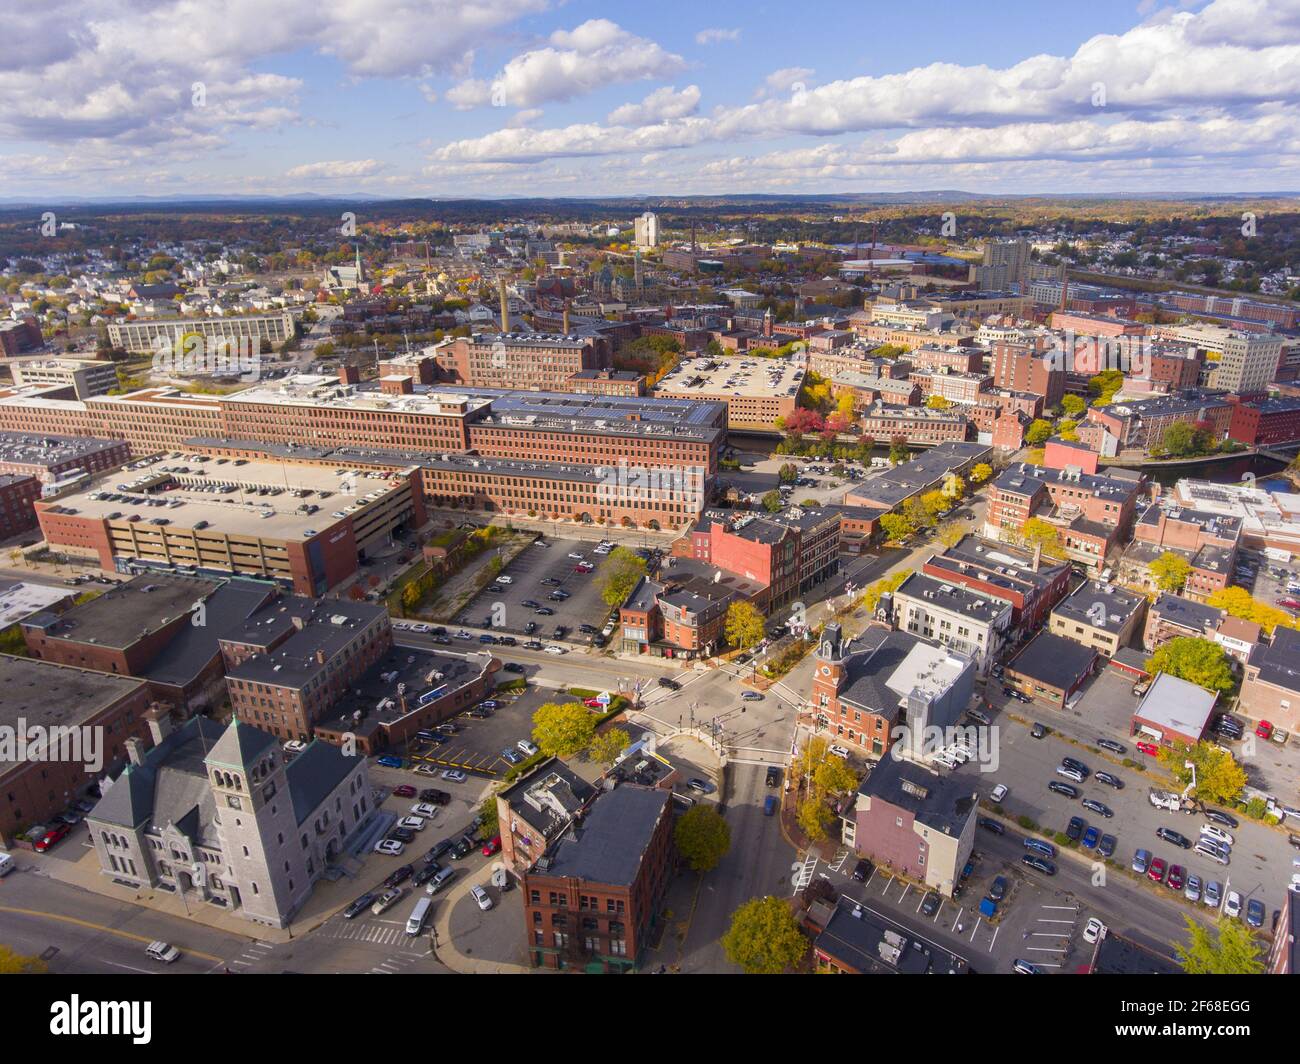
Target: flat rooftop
point(1102, 606)
point(954, 598)
point(248, 497)
point(36, 449)
point(122, 615)
point(1176, 705)
point(42, 694)
point(375, 696)
point(736, 377)
point(612, 840)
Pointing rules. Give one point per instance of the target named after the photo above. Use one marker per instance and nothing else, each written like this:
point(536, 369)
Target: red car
point(1157, 870)
point(591, 703)
point(1177, 877)
point(1264, 729)
point(1289, 604)
point(404, 791)
point(54, 835)
point(493, 845)
point(1150, 749)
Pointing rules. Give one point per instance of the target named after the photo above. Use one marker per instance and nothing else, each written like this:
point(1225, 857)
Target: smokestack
point(505, 304)
point(1065, 292)
point(1038, 557)
point(636, 268)
point(566, 317)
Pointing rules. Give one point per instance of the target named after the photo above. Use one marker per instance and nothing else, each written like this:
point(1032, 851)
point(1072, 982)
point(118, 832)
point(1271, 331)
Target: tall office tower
point(1247, 363)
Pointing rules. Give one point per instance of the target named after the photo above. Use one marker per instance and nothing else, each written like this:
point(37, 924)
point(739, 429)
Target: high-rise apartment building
point(647, 230)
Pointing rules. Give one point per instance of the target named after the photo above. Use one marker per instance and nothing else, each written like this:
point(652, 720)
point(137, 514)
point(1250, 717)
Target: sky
point(495, 98)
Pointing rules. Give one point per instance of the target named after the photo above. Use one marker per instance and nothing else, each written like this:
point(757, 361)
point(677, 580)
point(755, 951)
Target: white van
point(7, 865)
point(415, 922)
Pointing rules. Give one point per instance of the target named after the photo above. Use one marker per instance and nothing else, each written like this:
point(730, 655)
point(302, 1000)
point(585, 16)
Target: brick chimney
point(159, 718)
point(135, 750)
point(566, 318)
point(349, 375)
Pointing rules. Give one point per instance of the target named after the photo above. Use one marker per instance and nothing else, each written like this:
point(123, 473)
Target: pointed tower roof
point(240, 746)
point(128, 802)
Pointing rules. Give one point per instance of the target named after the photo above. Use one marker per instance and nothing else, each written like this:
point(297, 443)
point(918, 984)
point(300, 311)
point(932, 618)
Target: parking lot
point(479, 744)
point(513, 608)
point(1260, 856)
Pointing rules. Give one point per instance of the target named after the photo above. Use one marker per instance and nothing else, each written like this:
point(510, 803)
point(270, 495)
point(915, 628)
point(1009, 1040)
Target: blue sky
point(534, 97)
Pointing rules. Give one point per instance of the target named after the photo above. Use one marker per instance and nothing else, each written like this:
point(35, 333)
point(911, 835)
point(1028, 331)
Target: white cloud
point(1144, 73)
point(337, 168)
point(525, 118)
point(122, 69)
point(716, 36)
point(574, 63)
point(659, 106)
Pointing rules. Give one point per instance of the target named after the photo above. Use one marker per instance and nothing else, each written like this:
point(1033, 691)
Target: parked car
point(1100, 808)
point(481, 897)
point(410, 823)
point(668, 682)
point(1090, 839)
point(1074, 829)
point(493, 845)
point(1024, 967)
point(1177, 838)
point(1150, 749)
point(1192, 892)
point(1109, 780)
point(1038, 730)
point(1113, 746)
point(404, 790)
point(773, 777)
point(527, 747)
point(998, 888)
point(1063, 788)
point(1177, 877)
point(1141, 861)
point(862, 870)
point(1039, 864)
point(999, 793)
point(52, 837)
point(1232, 905)
point(391, 847)
point(1093, 930)
point(1156, 873)
point(454, 775)
point(930, 904)
point(993, 826)
point(1209, 831)
point(1106, 846)
point(1221, 818)
point(389, 761)
point(358, 906)
point(1213, 893)
point(1255, 912)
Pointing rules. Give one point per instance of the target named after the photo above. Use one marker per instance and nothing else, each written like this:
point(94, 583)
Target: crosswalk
point(395, 965)
point(805, 873)
point(374, 933)
point(254, 953)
